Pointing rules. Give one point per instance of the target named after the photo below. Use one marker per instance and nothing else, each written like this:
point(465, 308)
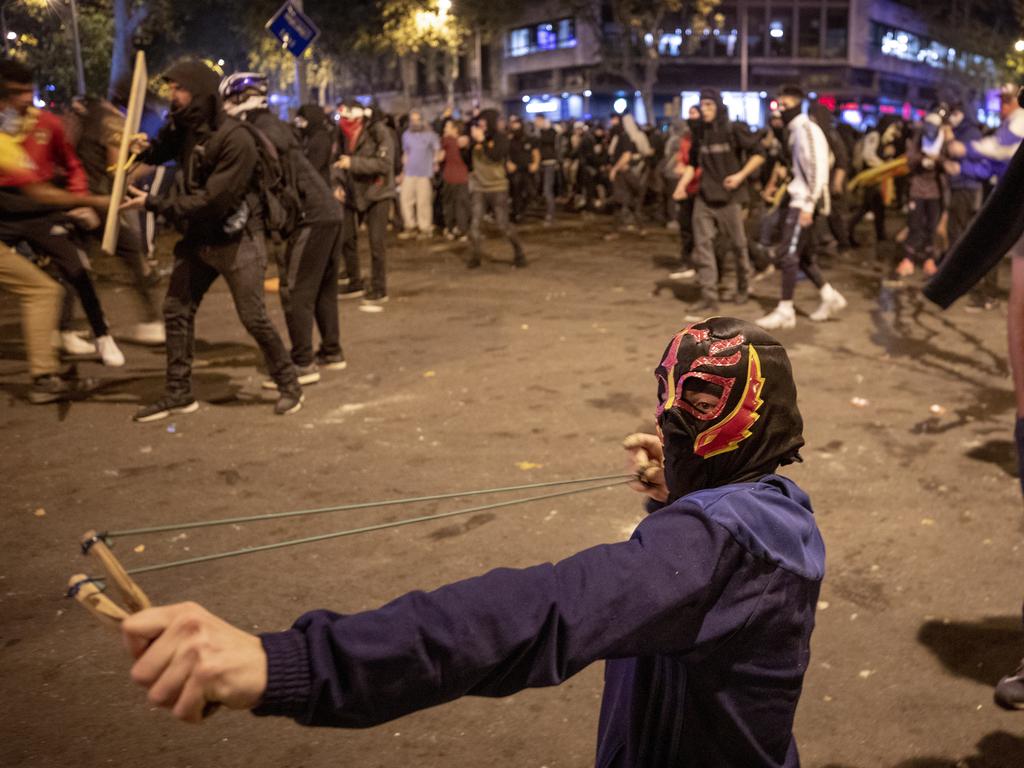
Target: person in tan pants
point(40, 297)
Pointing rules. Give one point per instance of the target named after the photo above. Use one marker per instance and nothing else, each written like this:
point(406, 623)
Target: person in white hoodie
point(808, 195)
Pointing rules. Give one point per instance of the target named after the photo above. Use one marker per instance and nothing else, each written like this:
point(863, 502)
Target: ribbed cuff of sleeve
point(288, 675)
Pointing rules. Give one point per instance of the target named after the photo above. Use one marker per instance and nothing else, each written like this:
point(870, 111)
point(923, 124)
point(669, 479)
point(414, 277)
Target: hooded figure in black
point(216, 202)
point(726, 153)
point(315, 134)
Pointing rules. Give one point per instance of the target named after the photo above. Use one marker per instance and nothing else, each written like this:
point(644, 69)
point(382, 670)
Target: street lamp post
point(79, 68)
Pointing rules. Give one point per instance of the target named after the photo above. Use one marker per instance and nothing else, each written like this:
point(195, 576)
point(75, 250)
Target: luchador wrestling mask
point(726, 406)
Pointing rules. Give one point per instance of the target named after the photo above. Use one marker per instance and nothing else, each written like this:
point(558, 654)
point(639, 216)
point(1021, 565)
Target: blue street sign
point(293, 28)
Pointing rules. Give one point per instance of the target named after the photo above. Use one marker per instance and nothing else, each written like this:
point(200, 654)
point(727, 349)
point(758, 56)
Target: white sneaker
point(779, 318)
point(151, 334)
point(832, 301)
point(110, 355)
point(683, 274)
point(74, 344)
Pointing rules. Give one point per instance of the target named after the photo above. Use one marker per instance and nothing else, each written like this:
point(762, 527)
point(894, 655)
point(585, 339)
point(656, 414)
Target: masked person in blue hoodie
point(704, 616)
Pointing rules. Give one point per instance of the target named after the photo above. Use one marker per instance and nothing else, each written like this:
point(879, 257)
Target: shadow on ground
point(982, 651)
point(995, 750)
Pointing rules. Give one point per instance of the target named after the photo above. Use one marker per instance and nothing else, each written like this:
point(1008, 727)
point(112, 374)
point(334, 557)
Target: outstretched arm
point(491, 635)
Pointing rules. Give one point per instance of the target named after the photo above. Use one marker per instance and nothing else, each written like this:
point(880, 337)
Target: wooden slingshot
point(95, 600)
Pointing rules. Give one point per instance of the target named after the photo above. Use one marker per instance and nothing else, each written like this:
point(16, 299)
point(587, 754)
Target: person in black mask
point(726, 154)
point(808, 195)
point(216, 202)
point(704, 616)
point(315, 136)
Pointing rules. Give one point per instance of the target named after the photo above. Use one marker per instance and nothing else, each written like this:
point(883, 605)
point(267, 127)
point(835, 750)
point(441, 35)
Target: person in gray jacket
point(364, 179)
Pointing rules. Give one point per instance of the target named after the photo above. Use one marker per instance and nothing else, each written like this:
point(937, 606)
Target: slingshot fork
point(98, 603)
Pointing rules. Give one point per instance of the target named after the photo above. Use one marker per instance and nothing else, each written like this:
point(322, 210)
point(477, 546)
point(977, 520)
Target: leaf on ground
point(528, 465)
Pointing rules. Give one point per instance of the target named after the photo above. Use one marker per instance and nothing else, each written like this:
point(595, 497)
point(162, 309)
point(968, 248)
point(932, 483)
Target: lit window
point(566, 33)
point(519, 42)
point(547, 40)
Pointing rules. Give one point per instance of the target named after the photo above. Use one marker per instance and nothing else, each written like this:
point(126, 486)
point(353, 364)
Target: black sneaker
point(474, 263)
point(331, 362)
point(307, 374)
point(351, 291)
point(520, 260)
point(51, 388)
point(374, 302)
point(289, 402)
point(1010, 690)
point(165, 406)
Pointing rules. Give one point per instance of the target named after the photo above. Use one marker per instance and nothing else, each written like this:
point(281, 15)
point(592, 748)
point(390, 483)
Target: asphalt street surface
point(490, 378)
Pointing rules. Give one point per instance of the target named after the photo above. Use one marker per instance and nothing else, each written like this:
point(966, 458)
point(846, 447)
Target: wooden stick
point(131, 127)
point(131, 593)
point(98, 604)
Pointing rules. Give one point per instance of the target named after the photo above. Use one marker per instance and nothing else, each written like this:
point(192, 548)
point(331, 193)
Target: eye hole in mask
point(702, 395)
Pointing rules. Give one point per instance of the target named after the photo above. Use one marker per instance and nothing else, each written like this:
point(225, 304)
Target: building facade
point(863, 58)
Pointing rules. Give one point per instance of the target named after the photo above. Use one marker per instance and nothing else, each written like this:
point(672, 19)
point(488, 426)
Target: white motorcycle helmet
point(244, 91)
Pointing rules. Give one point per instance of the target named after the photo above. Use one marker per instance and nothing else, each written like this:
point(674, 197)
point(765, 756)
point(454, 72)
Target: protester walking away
point(454, 159)
point(629, 151)
point(308, 266)
point(40, 135)
point(727, 154)
point(364, 179)
point(39, 296)
point(222, 203)
point(703, 617)
point(99, 140)
point(926, 154)
point(808, 196)
point(550, 158)
point(488, 186)
point(420, 146)
point(316, 138)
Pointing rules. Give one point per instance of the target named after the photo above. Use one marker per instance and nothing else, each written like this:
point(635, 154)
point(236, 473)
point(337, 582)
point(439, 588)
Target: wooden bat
point(131, 127)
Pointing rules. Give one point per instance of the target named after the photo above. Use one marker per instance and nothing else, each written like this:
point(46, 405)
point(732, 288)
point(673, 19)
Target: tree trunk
point(451, 74)
point(127, 21)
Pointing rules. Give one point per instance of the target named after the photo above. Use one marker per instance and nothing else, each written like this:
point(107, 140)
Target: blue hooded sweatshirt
point(704, 618)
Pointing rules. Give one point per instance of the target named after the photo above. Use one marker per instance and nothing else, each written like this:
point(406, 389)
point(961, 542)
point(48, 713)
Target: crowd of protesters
point(746, 203)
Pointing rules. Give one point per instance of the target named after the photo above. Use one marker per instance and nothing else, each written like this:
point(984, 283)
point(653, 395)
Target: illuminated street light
point(1019, 46)
point(12, 36)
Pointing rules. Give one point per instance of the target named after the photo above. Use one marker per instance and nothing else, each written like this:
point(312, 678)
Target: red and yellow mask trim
point(727, 434)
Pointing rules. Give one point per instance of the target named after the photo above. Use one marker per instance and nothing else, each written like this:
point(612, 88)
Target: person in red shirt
point(43, 228)
point(455, 175)
point(39, 296)
point(684, 195)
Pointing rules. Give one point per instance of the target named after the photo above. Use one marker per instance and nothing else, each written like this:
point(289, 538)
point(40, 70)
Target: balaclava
point(309, 119)
point(755, 426)
point(202, 82)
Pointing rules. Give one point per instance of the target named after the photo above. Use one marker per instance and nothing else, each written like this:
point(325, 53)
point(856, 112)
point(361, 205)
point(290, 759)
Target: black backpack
point(278, 190)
